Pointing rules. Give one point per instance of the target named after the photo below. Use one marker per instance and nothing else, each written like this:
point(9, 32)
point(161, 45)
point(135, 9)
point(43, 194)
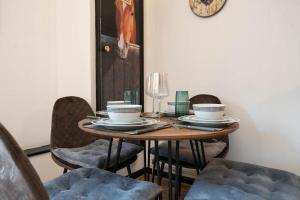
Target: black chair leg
point(128, 170)
point(162, 166)
point(159, 197)
point(65, 170)
point(153, 170)
point(180, 179)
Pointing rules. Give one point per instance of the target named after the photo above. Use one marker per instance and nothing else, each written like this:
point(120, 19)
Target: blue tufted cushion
point(94, 154)
point(98, 184)
point(185, 152)
point(229, 180)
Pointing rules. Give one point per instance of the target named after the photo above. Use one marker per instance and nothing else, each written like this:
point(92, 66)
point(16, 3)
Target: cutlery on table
point(197, 127)
point(154, 128)
point(92, 117)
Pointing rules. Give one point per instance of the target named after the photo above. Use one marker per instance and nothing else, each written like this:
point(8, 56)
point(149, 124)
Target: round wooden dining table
point(171, 133)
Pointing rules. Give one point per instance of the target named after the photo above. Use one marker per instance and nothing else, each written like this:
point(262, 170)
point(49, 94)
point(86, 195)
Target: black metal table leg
point(170, 169)
point(118, 154)
point(194, 156)
point(148, 152)
point(203, 153)
point(157, 163)
point(145, 160)
point(198, 154)
point(177, 171)
point(108, 154)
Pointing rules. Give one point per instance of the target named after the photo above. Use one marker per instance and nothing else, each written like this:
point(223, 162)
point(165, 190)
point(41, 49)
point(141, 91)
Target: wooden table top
point(162, 134)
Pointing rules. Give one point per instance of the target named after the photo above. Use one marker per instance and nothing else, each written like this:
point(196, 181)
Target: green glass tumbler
point(132, 97)
point(182, 103)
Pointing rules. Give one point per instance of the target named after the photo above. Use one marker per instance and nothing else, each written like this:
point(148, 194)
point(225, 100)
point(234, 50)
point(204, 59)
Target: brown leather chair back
point(67, 112)
point(204, 98)
point(18, 179)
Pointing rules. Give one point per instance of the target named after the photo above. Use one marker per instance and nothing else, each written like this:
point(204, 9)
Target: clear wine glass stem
point(159, 107)
point(153, 101)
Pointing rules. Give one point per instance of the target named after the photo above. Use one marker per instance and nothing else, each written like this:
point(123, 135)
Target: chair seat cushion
point(229, 180)
point(95, 154)
point(185, 153)
point(98, 184)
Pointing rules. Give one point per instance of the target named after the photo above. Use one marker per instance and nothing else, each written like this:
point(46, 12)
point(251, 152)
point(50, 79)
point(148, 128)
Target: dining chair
point(220, 144)
point(227, 180)
point(211, 148)
point(72, 148)
point(19, 180)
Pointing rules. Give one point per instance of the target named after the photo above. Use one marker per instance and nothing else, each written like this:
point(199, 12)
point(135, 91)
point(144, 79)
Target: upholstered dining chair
point(212, 148)
point(227, 180)
point(19, 180)
point(72, 148)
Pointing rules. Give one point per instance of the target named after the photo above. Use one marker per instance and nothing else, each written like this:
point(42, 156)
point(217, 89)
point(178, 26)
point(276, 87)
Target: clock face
point(206, 8)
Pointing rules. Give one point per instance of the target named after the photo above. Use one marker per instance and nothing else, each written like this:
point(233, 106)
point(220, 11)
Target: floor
point(165, 188)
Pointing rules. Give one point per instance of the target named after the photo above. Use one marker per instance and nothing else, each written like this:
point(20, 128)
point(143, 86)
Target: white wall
point(28, 73)
point(249, 56)
point(75, 22)
point(46, 52)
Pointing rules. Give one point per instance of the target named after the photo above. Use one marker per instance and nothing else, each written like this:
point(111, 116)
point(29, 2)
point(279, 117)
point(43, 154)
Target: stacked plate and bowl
point(208, 115)
point(124, 117)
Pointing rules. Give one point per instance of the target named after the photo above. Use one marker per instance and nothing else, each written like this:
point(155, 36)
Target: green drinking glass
point(132, 97)
point(182, 103)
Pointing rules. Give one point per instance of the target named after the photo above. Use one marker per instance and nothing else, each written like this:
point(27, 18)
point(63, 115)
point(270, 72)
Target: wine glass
point(160, 88)
point(149, 91)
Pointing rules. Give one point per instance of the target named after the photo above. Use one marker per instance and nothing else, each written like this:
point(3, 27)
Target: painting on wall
point(120, 44)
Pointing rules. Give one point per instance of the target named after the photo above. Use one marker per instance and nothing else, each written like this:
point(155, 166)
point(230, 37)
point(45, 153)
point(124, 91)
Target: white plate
point(107, 124)
point(109, 121)
point(223, 119)
point(191, 120)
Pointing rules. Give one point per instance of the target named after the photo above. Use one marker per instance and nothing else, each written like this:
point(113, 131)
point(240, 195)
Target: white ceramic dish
point(172, 113)
point(138, 121)
point(124, 113)
point(110, 103)
point(171, 105)
point(192, 119)
point(209, 111)
point(110, 125)
point(222, 119)
point(102, 113)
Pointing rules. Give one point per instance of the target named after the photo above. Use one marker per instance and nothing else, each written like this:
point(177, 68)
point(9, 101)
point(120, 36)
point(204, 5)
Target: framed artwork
point(120, 49)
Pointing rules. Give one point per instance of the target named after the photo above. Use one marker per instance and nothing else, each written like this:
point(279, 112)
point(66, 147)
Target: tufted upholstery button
point(94, 155)
point(91, 183)
point(244, 181)
point(211, 150)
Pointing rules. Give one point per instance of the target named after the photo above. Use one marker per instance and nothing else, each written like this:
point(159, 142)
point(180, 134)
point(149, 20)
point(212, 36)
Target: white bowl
point(124, 113)
point(110, 103)
point(172, 105)
point(209, 111)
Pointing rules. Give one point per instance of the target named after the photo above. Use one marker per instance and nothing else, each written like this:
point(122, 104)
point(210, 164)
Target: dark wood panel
point(119, 74)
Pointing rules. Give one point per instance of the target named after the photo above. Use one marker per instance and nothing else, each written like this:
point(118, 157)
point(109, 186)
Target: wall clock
point(206, 8)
